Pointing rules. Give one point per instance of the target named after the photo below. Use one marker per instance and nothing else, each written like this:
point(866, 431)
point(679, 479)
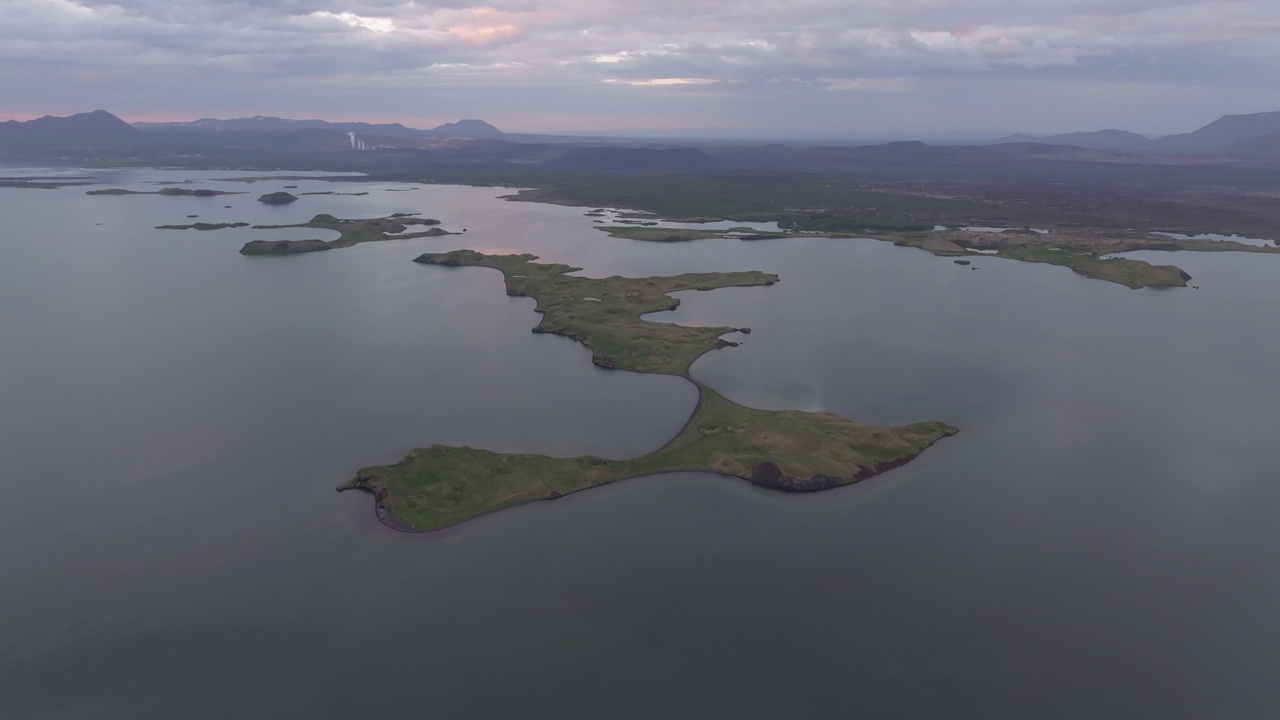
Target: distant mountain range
point(266, 124)
point(1254, 135)
point(99, 135)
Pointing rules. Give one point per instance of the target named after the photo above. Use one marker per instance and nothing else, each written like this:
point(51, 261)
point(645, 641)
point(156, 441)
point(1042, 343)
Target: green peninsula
point(604, 314)
point(439, 486)
point(1088, 252)
point(350, 232)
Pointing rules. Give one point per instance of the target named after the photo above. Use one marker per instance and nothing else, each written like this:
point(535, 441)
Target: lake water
point(1098, 542)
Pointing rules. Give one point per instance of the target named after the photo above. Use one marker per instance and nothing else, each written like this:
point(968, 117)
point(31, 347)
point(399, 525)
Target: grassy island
point(658, 234)
point(203, 226)
point(439, 486)
point(278, 198)
point(168, 191)
point(351, 232)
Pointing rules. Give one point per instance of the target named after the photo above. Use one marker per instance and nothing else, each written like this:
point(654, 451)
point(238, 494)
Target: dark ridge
point(1266, 146)
point(467, 129)
point(84, 129)
point(1109, 140)
point(1221, 134)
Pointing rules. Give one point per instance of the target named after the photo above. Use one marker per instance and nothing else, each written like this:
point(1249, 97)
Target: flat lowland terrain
point(439, 486)
point(351, 232)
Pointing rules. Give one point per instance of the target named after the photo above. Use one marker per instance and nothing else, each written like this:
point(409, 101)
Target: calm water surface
point(1099, 542)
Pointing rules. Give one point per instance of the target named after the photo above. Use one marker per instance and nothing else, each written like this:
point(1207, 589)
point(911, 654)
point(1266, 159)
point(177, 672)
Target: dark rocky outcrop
point(768, 474)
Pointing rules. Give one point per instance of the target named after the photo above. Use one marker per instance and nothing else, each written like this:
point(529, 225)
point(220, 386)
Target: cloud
point(662, 82)
point(373, 24)
point(753, 47)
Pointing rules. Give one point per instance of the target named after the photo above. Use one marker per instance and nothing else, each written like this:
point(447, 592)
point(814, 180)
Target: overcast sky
point(803, 67)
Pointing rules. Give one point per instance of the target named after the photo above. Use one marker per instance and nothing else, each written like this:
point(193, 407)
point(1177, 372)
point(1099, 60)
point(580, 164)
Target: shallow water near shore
point(1099, 541)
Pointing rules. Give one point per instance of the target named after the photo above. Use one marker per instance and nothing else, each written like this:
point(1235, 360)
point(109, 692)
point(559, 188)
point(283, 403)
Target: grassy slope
point(438, 486)
point(351, 232)
point(732, 439)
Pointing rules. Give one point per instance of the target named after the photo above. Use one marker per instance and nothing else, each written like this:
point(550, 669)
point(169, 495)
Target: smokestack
point(352, 135)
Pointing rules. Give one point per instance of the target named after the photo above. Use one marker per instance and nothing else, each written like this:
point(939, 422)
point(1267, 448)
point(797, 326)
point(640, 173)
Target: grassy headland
point(440, 486)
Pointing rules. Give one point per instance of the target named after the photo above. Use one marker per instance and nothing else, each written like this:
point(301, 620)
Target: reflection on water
point(1098, 542)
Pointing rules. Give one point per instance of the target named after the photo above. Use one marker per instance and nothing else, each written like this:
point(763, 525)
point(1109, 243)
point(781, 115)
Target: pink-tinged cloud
point(486, 26)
